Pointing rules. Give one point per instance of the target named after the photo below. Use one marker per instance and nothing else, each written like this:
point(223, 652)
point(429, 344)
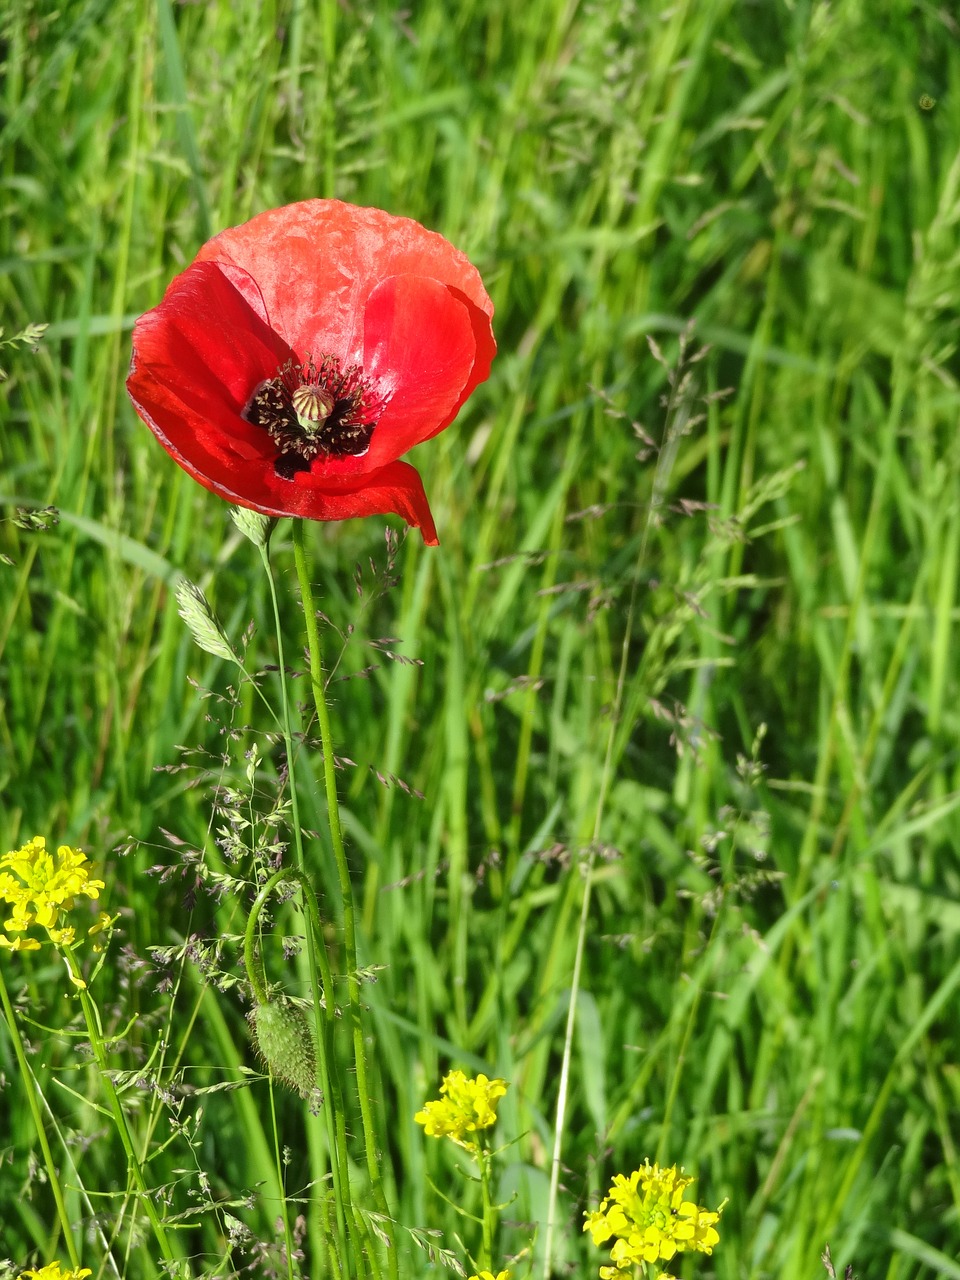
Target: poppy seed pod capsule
point(312, 404)
point(284, 1040)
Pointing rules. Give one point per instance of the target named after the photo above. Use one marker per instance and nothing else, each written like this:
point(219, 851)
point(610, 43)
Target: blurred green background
point(770, 978)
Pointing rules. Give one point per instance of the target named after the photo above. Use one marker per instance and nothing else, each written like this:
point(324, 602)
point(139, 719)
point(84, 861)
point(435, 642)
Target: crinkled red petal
point(314, 279)
point(420, 350)
point(395, 489)
point(196, 359)
point(485, 346)
point(318, 261)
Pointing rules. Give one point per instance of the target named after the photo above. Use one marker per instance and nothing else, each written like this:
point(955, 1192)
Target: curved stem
point(30, 1087)
point(318, 688)
point(254, 963)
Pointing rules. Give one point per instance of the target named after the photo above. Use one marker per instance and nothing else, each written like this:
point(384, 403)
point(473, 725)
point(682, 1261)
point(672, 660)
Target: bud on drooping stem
point(282, 1034)
point(284, 1040)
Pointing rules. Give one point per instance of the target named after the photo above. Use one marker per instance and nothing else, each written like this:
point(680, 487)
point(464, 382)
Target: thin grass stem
point(134, 1166)
point(677, 416)
point(29, 1088)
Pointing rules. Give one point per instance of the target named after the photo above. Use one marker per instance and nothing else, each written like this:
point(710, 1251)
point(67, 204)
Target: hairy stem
point(324, 1004)
point(318, 687)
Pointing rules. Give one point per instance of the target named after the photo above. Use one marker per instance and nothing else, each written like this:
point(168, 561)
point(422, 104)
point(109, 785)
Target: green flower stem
point(324, 1009)
point(317, 684)
point(278, 1157)
point(253, 962)
point(329, 1082)
point(30, 1089)
point(486, 1255)
point(328, 20)
point(95, 1032)
point(371, 1254)
point(258, 982)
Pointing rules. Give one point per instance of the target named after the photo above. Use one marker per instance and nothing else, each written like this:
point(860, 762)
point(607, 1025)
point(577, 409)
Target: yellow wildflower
point(467, 1107)
point(105, 922)
point(19, 944)
point(52, 1271)
point(488, 1275)
point(650, 1219)
point(40, 887)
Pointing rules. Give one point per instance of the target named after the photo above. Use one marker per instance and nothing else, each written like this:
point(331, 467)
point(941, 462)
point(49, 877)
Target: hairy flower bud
point(284, 1040)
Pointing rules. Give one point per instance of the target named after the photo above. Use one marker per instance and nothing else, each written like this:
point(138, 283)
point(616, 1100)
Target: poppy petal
point(420, 349)
point(196, 359)
point(318, 261)
point(248, 482)
point(486, 346)
point(395, 489)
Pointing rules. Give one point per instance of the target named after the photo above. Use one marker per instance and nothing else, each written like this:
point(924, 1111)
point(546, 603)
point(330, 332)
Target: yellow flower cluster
point(488, 1275)
point(41, 886)
point(466, 1107)
point(52, 1271)
point(651, 1220)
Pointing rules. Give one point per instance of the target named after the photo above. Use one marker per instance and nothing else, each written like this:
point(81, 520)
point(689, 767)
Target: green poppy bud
point(284, 1040)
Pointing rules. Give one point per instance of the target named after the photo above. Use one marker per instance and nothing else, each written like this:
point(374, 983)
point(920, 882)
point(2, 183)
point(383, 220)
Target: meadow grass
point(688, 645)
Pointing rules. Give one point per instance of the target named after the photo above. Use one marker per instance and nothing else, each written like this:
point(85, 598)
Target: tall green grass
point(770, 970)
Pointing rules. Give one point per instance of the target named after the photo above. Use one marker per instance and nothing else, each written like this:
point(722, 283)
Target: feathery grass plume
point(253, 525)
point(650, 1220)
point(36, 519)
point(828, 1266)
point(29, 337)
point(205, 626)
point(284, 1040)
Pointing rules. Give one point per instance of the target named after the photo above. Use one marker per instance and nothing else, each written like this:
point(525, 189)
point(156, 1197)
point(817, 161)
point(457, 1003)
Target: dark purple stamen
point(310, 409)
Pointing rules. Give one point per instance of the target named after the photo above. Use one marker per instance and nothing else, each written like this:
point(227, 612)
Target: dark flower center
point(310, 409)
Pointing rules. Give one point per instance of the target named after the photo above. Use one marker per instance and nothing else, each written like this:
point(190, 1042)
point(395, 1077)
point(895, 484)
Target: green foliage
point(770, 969)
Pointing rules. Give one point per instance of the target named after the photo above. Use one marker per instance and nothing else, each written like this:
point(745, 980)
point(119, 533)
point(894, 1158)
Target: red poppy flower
point(301, 354)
